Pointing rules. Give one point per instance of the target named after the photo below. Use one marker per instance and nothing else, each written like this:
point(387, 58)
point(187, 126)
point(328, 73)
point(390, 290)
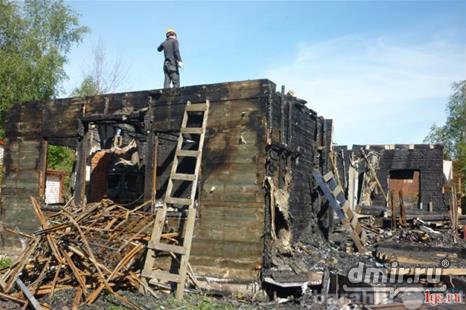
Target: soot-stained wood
point(253, 131)
point(425, 158)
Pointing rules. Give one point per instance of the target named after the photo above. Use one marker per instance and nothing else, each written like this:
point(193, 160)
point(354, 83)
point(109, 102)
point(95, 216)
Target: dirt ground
point(193, 301)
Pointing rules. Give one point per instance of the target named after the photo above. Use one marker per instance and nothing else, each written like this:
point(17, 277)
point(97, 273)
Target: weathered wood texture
point(21, 180)
point(229, 233)
point(300, 142)
point(343, 162)
point(227, 239)
point(426, 159)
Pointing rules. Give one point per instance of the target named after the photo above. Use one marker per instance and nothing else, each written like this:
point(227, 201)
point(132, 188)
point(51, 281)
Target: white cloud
point(377, 90)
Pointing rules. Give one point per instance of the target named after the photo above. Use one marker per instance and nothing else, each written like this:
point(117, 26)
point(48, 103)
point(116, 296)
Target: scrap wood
point(142, 229)
point(374, 174)
point(55, 278)
point(12, 298)
point(60, 256)
point(19, 233)
point(77, 299)
point(190, 271)
point(142, 283)
point(44, 223)
point(35, 304)
point(23, 259)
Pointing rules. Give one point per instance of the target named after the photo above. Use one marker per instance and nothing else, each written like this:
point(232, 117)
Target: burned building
point(416, 170)
point(255, 186)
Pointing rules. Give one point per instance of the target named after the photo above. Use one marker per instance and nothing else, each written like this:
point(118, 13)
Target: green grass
point(5, 262)
point(196, 302)
point(114, 307)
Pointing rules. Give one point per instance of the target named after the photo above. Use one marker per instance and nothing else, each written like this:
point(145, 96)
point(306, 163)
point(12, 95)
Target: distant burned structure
point(256, 180)
point(416, 169)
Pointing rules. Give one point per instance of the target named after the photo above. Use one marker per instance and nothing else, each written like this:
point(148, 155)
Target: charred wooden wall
point(299, 142)
point(425, 158)
point(228, 236)
point(343, 162)
point(252, 132)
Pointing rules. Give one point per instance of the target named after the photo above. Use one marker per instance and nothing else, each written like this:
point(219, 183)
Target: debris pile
point(92, 249)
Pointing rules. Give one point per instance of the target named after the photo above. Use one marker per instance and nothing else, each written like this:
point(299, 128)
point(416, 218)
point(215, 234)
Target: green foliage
point(35, 37)
point(61, 158)
point(88, 87)
point(5, 262)
point(453, 134)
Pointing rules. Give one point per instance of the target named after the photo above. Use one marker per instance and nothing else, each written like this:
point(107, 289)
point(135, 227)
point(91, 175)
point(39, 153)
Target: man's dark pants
point(171, 75)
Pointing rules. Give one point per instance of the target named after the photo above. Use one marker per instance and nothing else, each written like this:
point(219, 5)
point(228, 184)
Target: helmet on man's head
point(170, 31)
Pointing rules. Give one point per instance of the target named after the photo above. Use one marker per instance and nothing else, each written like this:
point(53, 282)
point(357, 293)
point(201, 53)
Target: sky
point(381, 70)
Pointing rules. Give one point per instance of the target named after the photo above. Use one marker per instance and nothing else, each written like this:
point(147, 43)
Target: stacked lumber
point(92, 249)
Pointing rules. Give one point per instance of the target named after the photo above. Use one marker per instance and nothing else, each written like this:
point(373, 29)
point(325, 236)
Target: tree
point(35, 38)
point(453, 134)
point(87, 88)
point(102, 76)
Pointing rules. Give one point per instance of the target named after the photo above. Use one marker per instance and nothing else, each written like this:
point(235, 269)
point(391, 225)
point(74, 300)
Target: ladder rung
point(196, 107)
point(337, 190)
point(161, 275)
point(178, 201)
point(187, 153)
point(184, 177)
point(166, 247)
point(192, 130)
point(328, 176)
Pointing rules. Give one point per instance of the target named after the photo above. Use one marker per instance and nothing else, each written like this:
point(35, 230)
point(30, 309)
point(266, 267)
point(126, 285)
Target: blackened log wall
point(301, 141)
point(343, 161)
point(427, 159)
point(228, 238)
point(246, 120)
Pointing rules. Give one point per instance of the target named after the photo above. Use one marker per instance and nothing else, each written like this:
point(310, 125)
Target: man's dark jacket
point(171, 52)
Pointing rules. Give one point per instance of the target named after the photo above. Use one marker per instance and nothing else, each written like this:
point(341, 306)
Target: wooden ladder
point(155, 243)
point(336, 198)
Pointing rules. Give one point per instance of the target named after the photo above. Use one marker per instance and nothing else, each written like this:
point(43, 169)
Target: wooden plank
point(35, 304)
point(43, 168)
point(349, 214)
point(328, 176)
point(349, 223)
point(156, 234)
point(150, 182)
point(83, 152)
point(166, 247)
point(187, 153)
point(178, 201)
point(192, 130)
point(188, 236)
point(227, 250)
point(77, 299)
point(184, 177)
point(337, 191)
point(161, 275)
point(197, 107)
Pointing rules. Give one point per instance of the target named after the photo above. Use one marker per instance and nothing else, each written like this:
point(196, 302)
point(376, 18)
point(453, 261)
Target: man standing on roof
point(172, 61)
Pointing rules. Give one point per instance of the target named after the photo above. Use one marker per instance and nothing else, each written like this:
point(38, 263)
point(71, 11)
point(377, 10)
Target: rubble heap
point(92, 249)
